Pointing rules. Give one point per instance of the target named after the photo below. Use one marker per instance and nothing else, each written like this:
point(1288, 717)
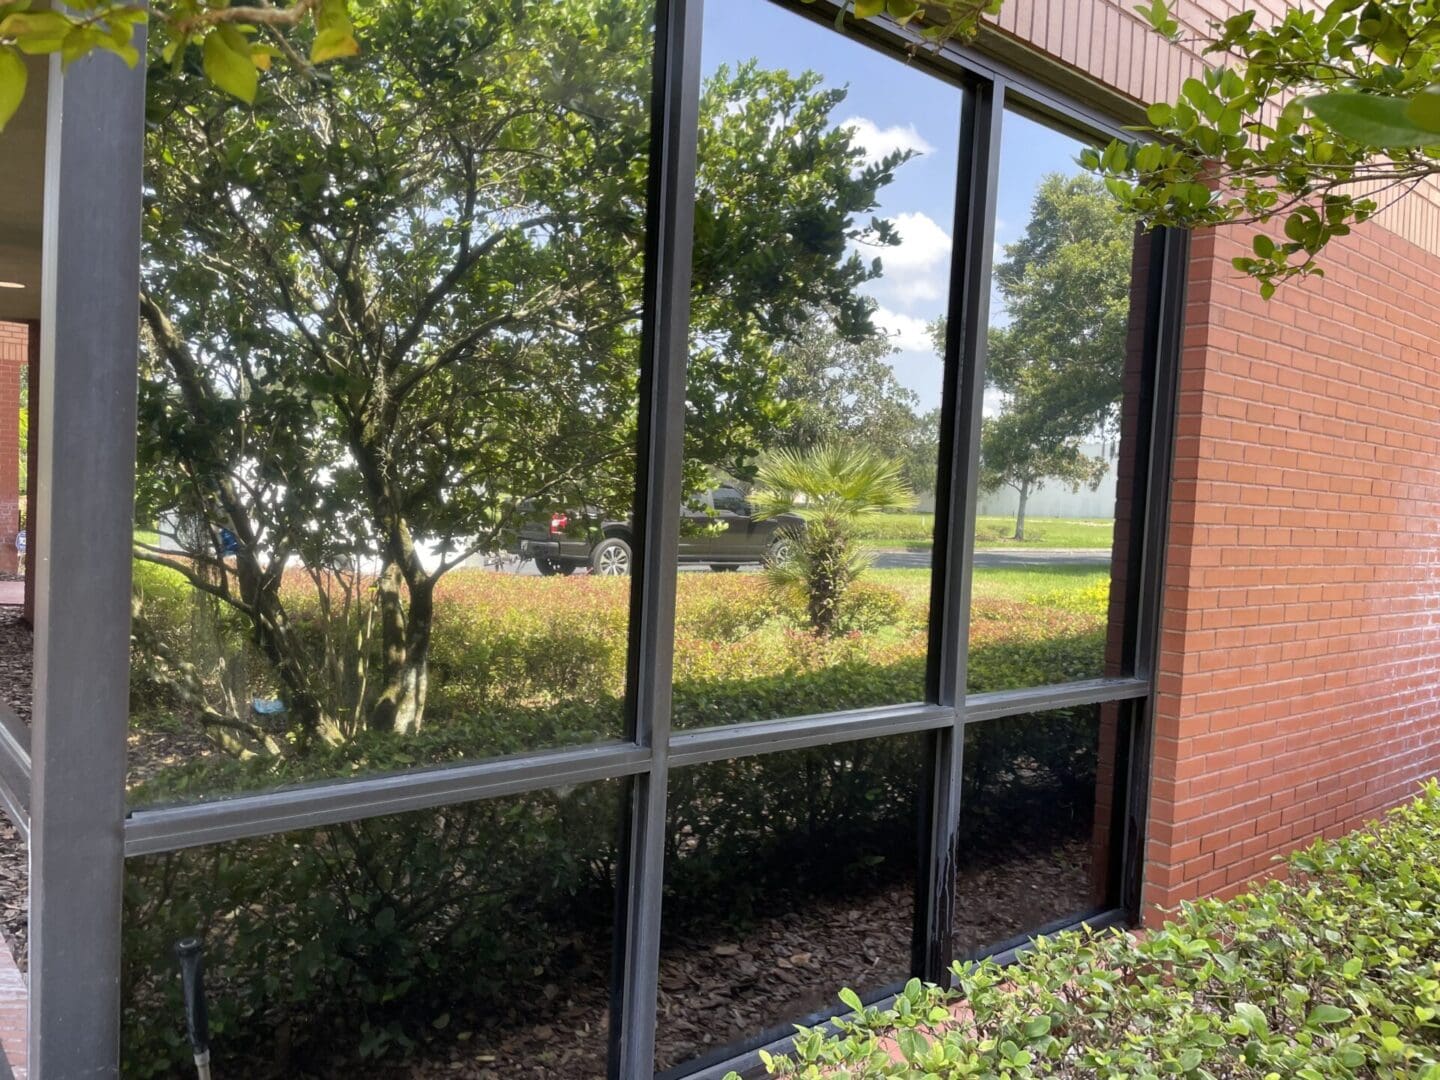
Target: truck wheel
point(611, 558)
point(723, 567)
point(780, 551)
point(554, 568)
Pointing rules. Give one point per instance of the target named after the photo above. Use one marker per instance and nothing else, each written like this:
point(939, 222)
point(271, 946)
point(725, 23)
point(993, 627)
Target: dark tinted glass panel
point(1035, 822)
point(788, 876)
point(388, 399)
point(824, 211)
point(1059, 436)
point(473, 940)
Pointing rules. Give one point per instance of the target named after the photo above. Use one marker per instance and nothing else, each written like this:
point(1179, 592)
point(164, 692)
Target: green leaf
point(1424, 109)
point(1253, 1019)
point(851, 999)
point(13, 78)
point(1370, 119)
point(229, 69)
point(1323, 1014)
point(36, 33)
point(868, 9)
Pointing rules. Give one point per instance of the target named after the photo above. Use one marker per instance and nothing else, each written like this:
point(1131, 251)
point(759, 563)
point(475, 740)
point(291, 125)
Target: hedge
point(1331, 972)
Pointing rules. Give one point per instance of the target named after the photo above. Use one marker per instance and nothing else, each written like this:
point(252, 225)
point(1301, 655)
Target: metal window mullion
point(90, 286)
point(1167, 336)
point(967, 325)
point(665, 350)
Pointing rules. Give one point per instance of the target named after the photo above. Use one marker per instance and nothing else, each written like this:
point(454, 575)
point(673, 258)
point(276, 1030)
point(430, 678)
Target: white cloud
point(878, 142)
point(906, 332)
point(917, 269)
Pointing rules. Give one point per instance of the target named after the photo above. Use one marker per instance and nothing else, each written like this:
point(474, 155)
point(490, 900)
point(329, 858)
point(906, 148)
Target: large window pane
point(788, 876)
point(1035, 824)
point(824, 213)
point(1057, 455)
point(473, 940)
point(388, 404)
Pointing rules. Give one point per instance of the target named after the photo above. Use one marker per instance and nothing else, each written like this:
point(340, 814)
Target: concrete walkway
point(12, 593)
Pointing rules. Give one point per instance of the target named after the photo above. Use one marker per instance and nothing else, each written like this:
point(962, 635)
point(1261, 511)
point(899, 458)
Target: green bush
point(1334, 972)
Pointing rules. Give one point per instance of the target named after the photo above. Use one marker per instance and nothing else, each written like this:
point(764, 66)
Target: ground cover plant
point(1333, 971)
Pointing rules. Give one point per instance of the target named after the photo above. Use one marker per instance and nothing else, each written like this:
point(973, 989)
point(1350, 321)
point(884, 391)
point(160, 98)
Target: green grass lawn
point(915, 531)
point(1031, 583)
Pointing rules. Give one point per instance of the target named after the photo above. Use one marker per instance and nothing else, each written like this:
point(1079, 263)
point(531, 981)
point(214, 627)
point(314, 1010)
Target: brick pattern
point(14, 356)
point(1107, 41)
point(1299, 682)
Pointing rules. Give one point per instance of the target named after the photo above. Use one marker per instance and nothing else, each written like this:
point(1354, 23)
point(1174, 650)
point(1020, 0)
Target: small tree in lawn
point(830, 488)
point(1016, 452)
point(1059, 360)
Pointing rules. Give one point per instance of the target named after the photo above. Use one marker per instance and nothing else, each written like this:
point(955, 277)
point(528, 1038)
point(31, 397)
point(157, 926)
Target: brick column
point(32, 456)
point(13, 358)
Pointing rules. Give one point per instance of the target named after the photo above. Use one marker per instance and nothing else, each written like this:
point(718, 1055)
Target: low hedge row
point(1331, 973)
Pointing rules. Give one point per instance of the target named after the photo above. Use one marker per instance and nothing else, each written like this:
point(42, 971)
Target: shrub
point(1334, 972)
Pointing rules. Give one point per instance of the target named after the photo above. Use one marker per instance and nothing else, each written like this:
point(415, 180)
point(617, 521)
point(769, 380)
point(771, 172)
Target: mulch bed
point(15, 681)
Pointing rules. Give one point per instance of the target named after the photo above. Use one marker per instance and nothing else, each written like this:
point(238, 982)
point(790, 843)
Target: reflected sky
point(896, 105)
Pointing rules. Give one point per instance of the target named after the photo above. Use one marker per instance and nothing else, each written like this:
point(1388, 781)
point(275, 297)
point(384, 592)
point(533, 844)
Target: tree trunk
point(405, 646)
point(1020, 511)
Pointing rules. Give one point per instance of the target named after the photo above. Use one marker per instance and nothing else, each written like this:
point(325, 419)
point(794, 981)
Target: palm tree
point(830, 488)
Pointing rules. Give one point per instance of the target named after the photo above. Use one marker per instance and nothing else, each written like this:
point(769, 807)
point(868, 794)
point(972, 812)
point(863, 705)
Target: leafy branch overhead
point(236, 42)
point(1304, 127)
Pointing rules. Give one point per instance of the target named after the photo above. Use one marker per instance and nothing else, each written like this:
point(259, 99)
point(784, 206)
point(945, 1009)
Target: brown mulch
point(15, 682)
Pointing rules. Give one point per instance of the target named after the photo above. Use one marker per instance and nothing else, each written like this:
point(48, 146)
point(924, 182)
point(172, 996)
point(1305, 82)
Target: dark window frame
point(66, 785)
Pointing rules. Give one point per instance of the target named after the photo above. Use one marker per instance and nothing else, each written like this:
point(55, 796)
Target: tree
point(1306, 126)
point(844, 392)
point(383, 310)
point(1059, 360)
point(830, 488)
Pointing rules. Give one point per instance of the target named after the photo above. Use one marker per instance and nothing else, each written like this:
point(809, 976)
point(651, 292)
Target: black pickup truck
point(718, 529)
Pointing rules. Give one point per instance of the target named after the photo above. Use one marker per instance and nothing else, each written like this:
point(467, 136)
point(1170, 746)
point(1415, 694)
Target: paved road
point(899, 559)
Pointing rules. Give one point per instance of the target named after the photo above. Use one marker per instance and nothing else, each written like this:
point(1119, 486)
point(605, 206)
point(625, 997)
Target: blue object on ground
point(267, 706)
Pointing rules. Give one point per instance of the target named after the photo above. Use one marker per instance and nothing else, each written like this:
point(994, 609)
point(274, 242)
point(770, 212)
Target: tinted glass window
point(1035, 824)
point(388, 405)
point(788, 876)
point(474, 939)
point(1058, 438)
point(824, 215)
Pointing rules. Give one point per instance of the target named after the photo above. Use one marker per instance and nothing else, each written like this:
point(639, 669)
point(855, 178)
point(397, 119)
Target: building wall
point(1299, 678)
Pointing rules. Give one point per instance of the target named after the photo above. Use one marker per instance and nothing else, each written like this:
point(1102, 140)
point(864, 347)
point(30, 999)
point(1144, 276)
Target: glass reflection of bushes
point(524, 663)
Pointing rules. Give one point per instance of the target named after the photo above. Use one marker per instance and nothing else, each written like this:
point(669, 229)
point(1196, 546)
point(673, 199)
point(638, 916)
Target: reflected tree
point(387, 303)
point(1059, 360)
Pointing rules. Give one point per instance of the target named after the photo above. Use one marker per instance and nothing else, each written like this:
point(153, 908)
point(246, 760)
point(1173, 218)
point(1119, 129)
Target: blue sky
point(894, 104)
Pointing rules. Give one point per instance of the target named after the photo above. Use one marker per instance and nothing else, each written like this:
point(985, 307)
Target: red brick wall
point(14, 355)
point(1299, 688)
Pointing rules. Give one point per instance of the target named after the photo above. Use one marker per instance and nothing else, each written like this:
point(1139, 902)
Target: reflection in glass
point(473, 940)
point(391, 345)
point(788, 876)
point(824, 212)
point(1034, 846)
point(1054, 453)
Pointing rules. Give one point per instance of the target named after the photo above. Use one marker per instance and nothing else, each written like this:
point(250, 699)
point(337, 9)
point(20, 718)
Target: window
point(572, 635)
point(1061, 372)
point(389, 383)
point(814, 372)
